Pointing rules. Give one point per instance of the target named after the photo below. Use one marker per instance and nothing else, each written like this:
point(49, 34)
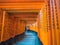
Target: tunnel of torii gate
point(41, 16)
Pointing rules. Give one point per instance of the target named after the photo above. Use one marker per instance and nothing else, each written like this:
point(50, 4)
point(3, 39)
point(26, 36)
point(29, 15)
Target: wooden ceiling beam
point(13, 6)
point(19, 1)
point(26, 16)
point(22, 10)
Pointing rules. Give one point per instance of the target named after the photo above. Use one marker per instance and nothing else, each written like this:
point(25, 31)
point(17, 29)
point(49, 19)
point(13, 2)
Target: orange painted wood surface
point(33, 5)
point(10, 1)
point(1, 17)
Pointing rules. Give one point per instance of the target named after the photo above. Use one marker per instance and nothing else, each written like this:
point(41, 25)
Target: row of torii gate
point(48, 19)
